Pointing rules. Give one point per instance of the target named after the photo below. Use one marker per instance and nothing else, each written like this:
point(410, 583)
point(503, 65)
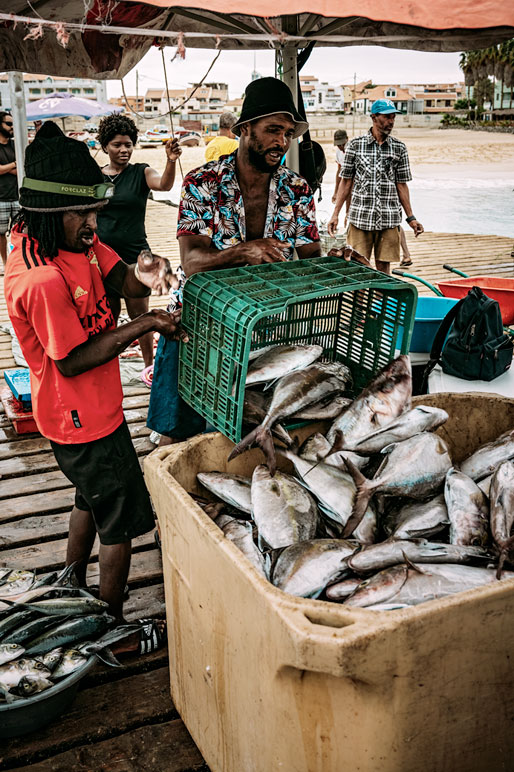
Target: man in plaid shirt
point(374, 179)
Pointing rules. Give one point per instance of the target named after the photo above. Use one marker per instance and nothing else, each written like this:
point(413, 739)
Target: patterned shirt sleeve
point(348, 170)
point(306, 227)
point(196, 211)
point(403, 173)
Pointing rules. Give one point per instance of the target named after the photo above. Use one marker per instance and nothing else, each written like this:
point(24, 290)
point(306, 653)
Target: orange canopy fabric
point(432, 14)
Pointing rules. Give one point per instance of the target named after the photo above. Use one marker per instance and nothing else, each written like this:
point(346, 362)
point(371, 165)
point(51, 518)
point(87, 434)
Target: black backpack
point(470, 342)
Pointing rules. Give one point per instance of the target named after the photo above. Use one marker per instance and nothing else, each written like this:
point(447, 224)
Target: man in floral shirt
point(244, 209)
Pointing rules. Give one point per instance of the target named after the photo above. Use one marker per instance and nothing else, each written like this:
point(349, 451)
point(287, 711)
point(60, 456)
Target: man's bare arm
point(101, 348)
point(343, 191)
point(309, 250)
point(197, 253)
point(404, 196)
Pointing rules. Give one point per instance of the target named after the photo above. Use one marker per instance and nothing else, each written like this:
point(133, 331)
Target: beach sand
point(476, 154)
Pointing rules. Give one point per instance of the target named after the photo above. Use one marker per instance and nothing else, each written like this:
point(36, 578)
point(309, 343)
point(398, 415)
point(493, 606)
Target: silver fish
point(484, 461)
point(324, 409)
point(419, 519)
point(52, 658)
point(342, 589)
point(305, 569)
point(70, 631)
point(404, 584)
point(502, 509)
point(66, 606)
point(255, 407)
point(392, 552)
point(386, 397)
point(468, 510)
point(31, 684)
point(12, 672)
point(17, 582)
point(281, 360)
point(317, 448)
point(292, 393)
point(415, 468)
point(335, 492)
point(283, 511)
point(485, 484)
point(234, 489)
point(239, 532)
point(419, 419)
point(70, 661)
point(10, 651)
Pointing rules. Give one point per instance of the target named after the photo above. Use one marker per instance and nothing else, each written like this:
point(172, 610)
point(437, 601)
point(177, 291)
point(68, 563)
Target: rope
point(169, 106)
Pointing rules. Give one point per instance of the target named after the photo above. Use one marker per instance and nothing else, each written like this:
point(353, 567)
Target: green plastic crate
point(354, 312)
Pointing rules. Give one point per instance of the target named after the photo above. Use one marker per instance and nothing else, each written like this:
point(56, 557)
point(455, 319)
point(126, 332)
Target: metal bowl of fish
point(31, 713)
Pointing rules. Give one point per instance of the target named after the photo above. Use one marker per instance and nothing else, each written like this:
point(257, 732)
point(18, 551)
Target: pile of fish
point(49, 629)
point(376, 514)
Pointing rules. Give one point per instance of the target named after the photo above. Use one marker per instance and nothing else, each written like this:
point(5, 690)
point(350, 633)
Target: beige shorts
point(385, 245)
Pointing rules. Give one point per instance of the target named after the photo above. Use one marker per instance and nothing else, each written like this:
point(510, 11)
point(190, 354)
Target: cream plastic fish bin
point(265, 681)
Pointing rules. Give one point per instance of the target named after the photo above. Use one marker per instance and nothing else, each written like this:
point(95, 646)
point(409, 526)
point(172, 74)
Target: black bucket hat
point(61, 175)
point(269, 96)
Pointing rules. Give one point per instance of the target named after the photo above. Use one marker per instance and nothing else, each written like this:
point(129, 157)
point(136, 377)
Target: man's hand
point(263, 251)
point(13, 169)
point(173, 149)
point(334, 198)
point(349, 253)
point(416, 227)
point(168, 324)
point(156, 272)
point(332, 225)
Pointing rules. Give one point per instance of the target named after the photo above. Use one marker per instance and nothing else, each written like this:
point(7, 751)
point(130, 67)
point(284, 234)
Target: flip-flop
point(151, 636)
point(405, 263)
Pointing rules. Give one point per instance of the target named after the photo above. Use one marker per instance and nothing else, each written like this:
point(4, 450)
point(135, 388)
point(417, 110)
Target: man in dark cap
point(57, 279)
point(244, 209)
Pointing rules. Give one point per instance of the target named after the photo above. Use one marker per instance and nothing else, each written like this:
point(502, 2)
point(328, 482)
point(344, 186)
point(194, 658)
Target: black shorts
point(109, 482)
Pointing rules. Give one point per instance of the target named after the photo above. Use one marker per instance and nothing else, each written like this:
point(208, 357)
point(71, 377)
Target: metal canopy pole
point(290, 77)
point(19, 116)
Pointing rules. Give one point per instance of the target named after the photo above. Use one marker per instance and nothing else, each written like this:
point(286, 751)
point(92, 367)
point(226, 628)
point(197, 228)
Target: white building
point(39, 86)
point(322, 97)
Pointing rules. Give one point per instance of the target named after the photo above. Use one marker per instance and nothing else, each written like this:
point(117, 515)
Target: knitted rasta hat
point(60, 174)
point(269, 96)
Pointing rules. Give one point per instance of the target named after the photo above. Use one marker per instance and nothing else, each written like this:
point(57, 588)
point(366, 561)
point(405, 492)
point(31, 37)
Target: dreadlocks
point(46, 227)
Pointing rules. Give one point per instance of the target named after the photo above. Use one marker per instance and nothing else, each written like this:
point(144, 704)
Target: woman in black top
point(121, 223)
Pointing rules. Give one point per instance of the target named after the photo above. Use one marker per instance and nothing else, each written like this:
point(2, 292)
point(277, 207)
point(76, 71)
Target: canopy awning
point(112, 37)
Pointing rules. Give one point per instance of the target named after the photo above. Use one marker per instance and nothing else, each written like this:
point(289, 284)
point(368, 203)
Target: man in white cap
point(375, 175)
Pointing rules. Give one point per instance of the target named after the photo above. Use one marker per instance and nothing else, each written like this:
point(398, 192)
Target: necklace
point(113, 177)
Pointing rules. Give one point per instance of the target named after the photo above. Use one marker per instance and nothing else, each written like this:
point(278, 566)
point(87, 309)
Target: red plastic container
point(494, 287)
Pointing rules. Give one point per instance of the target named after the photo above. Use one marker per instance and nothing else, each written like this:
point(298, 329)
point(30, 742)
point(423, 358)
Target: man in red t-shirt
point(57, 279)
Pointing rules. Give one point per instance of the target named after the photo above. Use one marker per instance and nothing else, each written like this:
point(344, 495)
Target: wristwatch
point(411, 218)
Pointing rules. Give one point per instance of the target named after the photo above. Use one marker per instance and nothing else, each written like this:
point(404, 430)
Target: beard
point(257, 156)
point(5, 133)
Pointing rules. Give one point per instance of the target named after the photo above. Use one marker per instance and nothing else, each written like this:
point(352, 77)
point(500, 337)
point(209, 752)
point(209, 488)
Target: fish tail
point(361, 500)
point(338, 442)
point(283, 435)
point(260, 436)
point(504, 552)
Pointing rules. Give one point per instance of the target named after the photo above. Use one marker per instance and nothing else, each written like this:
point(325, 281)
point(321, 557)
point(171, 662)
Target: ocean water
point(454, 205)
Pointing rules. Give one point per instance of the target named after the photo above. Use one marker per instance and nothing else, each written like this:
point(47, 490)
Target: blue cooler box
point(18, 381)
point(430, 312)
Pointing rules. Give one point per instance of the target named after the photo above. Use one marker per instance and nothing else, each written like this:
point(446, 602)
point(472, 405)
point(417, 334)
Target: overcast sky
point(335, 65)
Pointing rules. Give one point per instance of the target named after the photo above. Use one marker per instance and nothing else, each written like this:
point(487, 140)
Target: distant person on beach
point(226, 142)
point(56, 283)
point(375, 175)
point(9, 205)
point(245, 209)
point(340, 142)
point(121, 224)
